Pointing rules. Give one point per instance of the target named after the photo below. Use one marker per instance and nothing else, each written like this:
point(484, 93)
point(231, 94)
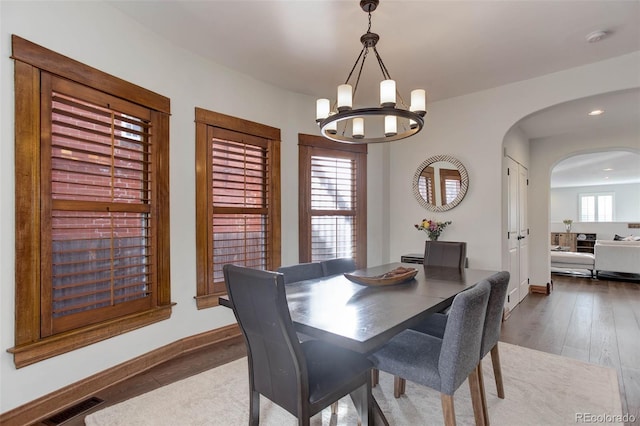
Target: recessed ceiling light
point(608, 169)
point(596, 36)
point(596, 112)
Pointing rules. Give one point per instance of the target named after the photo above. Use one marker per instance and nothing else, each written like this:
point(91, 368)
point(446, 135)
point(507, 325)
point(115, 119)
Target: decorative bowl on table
point(398, 275)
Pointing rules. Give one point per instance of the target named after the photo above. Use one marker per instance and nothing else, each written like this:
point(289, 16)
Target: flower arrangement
point(432, 228)
point(567, 224)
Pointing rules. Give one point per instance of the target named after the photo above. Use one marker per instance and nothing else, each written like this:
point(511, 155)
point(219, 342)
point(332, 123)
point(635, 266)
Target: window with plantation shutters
point(426, 185)
point(449, 185)
point(332, 212)
point(237, 198)
point(92, 207)
point(100, 211)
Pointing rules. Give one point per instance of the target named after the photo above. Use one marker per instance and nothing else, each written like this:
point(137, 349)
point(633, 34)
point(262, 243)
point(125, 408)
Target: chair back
point(338, 266)
point(301, 272)
point(493, 320)
point(277, 367)
point(460, 351)
point(450, 254)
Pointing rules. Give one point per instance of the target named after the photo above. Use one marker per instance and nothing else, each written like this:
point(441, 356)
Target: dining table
point(363, 318)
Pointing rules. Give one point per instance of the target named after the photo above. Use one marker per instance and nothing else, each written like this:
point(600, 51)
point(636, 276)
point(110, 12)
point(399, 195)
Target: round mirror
point(440, 183)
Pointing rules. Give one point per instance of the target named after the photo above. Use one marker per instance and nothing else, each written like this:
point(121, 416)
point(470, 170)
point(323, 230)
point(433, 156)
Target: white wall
point(471, 128)
point(100, 36)
point(545, 154)
point(626, 201)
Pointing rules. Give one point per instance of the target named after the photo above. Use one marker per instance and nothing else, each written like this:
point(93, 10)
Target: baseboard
point(54, 402)
point(541, 289)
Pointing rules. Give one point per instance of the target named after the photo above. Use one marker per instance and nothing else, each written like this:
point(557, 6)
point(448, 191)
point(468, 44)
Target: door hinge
point(527, 182)
point(507, 171)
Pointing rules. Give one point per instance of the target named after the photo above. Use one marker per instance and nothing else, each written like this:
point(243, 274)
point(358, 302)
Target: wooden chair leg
point(375, 377)
point(476, 398)
point(334, 408)
point(399, 385)
point(497, 370)
point(483, 395)
point(448, 411)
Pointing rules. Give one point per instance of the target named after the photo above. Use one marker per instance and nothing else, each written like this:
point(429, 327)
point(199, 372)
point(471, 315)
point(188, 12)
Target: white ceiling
point(449, 48)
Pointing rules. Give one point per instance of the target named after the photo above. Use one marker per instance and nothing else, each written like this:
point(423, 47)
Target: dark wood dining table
point(363, 318)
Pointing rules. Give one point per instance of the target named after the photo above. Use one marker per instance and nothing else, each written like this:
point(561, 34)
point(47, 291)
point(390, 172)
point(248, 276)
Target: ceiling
point(449, 48)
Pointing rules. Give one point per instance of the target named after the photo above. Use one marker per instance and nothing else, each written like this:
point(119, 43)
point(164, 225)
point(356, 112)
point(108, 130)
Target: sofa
point(617, 256)
point(572, 260)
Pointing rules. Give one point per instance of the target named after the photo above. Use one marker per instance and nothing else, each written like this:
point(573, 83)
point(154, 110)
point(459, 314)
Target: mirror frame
point(464, 183)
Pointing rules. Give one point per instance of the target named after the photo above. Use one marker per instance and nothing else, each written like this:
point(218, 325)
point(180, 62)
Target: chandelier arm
point(386, 75)
point(356, 64)
point(383, 67)
point(364, 58)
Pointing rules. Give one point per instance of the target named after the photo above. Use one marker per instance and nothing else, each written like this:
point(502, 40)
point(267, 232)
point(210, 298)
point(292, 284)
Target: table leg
point(378, 415)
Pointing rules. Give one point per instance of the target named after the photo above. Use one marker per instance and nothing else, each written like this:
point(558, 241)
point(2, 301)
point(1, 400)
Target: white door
point(517, 232)
point(523, 231)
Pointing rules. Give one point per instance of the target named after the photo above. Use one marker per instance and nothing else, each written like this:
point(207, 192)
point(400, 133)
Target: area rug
point(540, 388)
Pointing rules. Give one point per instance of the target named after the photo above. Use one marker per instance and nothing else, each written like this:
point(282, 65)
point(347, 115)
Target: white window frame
point(596, 195)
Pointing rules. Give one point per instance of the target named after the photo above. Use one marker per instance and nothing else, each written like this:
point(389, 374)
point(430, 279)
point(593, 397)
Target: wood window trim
point(447, 174)
point(205, 119)
point(308, 144)
point(30, 61)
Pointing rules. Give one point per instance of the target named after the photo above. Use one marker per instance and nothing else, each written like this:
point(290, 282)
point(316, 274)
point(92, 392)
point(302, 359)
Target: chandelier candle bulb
point(332, 128)
point(345, 97)
point(322, 109)
point(418, 101)
point(388, 93)
point(390, 125)
point(358, 128)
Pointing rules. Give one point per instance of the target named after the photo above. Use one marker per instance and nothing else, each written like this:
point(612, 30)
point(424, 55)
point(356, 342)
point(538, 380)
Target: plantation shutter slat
point(100, 217)
point(240, 194)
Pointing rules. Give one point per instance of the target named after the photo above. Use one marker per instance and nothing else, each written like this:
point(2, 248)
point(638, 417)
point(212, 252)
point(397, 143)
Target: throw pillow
point(618, 238)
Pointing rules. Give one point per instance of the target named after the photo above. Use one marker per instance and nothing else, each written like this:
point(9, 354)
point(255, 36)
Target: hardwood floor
point(594, 320)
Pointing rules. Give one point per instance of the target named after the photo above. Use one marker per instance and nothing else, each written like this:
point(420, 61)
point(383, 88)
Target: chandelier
point(343, 123)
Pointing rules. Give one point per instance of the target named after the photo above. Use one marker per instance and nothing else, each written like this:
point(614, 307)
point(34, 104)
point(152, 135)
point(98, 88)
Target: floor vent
point(71, 412)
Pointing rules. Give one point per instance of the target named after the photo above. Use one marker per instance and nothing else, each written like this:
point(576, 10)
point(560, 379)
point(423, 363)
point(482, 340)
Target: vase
point(567, 227)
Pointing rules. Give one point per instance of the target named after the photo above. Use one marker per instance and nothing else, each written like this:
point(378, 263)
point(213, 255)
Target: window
point(92, 230)
point(237, 199)
point(449, 185)
point(332, 209)
point(426, 184)
point(596, 207)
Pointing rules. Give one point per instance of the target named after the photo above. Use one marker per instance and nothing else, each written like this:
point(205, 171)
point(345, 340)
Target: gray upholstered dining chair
point(338, 266)
point(443, 363)
point(301, 272)
point(435, 325)
point(451, 254)
point(303, 378)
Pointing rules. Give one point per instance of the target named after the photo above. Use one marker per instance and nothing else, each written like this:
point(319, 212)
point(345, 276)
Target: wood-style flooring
point(594, 320)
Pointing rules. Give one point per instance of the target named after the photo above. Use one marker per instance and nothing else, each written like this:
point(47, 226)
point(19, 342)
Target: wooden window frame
point(445, 175)
point(308, 145)
point(205, 120)
point(30, 61)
